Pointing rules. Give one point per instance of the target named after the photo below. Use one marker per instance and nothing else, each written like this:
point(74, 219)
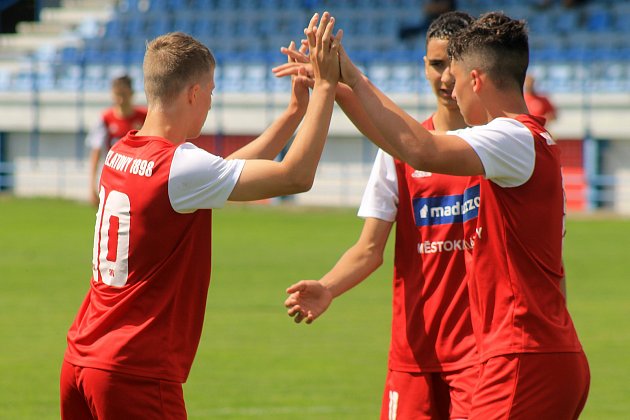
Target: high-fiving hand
point(324, 48)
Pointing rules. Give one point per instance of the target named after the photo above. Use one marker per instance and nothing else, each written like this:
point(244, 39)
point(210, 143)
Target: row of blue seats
point(242, 74)
point(266, 5)
point(580, 46)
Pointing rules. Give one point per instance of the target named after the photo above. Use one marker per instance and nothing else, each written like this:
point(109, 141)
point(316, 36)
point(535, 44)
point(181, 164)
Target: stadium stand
point(236, 30)
point(578, 54)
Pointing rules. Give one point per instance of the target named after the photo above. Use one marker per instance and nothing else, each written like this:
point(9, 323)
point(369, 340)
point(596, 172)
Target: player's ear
point(476, 80)
point(192, 93)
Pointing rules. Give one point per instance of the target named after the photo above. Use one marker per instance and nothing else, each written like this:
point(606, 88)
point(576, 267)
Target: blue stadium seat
point(183, 20)
point(566, 21)
point(158, 24)
point(541, 24)
point(598, 19)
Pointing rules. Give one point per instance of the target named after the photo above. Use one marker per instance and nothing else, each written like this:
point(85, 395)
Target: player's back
point(151, 270)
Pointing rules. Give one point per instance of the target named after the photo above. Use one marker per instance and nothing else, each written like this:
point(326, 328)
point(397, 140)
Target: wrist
point(325, 85)
point(296, 109)
point(362, 79)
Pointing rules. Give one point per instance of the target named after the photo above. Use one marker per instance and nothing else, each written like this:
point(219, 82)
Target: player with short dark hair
point(133, 341)
point(433, 363)
point(533, 365)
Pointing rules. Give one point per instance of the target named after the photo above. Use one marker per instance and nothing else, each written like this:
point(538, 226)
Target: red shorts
point(93, 393)
point(430, 395)
point(537, 386)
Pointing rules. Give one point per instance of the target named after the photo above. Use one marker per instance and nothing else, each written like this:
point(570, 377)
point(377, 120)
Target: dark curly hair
point(496, 44)
point(448, 24)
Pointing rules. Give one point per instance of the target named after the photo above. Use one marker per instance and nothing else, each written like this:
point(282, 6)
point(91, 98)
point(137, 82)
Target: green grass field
point(253, 362)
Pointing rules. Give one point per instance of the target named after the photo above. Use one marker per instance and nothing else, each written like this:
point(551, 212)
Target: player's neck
point(507, 103)
point(508, 107)
point(446, 119)
point(156, 125)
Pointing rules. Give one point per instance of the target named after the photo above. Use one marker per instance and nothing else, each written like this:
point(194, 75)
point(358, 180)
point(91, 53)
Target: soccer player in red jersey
point(133, 341)
point(532, 362)
point(433, 363)
point(116, 121)
point(538, 105)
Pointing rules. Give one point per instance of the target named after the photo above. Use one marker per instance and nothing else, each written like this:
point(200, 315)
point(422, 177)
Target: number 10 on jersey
point(110, 255)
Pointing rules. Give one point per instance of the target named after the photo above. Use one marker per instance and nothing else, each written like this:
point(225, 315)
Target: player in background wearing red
point(132, 344)
point(433, 363)
point(116, 121)
point(533, 365)
point(538, 104)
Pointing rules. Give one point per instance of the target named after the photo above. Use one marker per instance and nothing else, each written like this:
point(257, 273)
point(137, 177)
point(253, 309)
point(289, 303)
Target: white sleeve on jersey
point(201, 180)
point(380, 199)
point(506, 149)
point(97, 136)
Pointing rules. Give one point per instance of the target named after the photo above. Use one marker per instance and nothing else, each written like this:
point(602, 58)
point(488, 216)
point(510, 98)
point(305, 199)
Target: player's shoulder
point(108, 114)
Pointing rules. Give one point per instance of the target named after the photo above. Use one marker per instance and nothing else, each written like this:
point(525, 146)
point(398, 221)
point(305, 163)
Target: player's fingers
point(327, 37)
point(309, 31)
point(295, 54)
point(321, 28)
point(305, 80)
point(291, 48)
point(303, 48)
point(300, 285)
point(293, 310)
point(290, 301)
point(338, 38)
point(286, 69)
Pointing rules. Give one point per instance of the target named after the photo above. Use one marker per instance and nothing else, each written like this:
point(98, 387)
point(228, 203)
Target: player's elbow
point(375, 260)
point(418, 160)
point(304, 183)
point(299, 182)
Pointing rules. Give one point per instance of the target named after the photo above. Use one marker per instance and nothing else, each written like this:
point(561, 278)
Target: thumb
point(297, 287)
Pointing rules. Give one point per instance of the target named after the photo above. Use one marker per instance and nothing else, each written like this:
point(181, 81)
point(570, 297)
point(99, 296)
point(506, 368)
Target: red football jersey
point(538, 105)
point(515, 258)
point(431, 326)
point(144, 311)
point(117, 127)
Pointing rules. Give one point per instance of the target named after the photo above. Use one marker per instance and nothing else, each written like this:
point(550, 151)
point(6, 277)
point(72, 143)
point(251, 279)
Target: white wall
point(60, 170)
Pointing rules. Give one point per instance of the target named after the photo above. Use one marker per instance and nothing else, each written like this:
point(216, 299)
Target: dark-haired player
point(533, 365)
point(114, 122)
point(433, 363)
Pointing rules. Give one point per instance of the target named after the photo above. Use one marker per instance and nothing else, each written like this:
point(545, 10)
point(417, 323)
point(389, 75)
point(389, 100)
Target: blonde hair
point(172, 62)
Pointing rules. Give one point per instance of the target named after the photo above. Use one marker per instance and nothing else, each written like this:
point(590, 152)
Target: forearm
point(352, 107)
point(269, 144)
point(351, 269)
point(93, 167)
point(400, 134)
point(361, 260)
point(303, 156)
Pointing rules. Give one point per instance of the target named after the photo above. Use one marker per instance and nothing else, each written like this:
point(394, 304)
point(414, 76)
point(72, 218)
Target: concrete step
point(75, 15)
point(47, 28)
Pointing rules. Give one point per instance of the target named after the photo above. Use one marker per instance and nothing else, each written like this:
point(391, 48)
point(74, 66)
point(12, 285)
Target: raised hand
point(350, 73)
point(308, 299)
point(324, 48)
point(300, 82)
point(298, 61)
